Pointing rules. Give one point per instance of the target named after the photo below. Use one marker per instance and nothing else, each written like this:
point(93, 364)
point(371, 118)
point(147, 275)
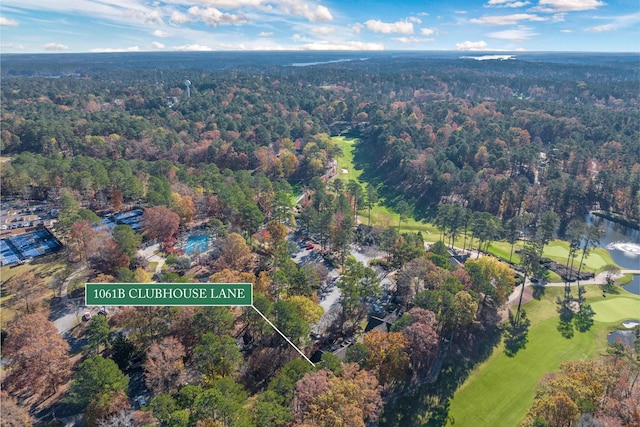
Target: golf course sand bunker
point(626, 247)
point(630, 324)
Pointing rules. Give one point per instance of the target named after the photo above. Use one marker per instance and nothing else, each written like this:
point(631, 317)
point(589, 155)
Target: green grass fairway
point(499, 391)
point(616, 308)
point(346, 160)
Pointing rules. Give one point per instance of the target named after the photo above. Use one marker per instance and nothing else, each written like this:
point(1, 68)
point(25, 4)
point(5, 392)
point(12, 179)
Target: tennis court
point(28, 245)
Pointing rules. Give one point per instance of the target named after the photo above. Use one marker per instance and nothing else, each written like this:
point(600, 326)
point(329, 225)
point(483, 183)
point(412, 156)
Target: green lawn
point(499, 391)
point(345, 162)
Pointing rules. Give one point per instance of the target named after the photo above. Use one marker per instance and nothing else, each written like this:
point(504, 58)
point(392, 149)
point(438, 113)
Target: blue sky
point(32, 26)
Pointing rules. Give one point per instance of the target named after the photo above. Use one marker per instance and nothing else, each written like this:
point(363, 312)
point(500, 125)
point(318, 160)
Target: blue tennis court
point(29, 245)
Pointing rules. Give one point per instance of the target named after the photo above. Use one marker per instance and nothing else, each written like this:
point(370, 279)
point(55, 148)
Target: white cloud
point(179, 18)
point(149, 17)
point(461, 12)
point(265, 34)
point(517, 35)
point(507, 3)
point(428, 31)
point(508, 19)
point(114, 50)
point(299, 38)
point(357, 28)
point(157, 45)
point(160, 33)
point(299, 8)
point(212, 16)
point(351, 45)
point(566, 31)
point(323, 31)
point(192, 48)
point(5, 22)
point(230, 4)
point(55, 47)
point(414, 20)
point(411, 39)
point(567, 5)
point(616, 23)
point(469, 45)
point(11, 46)
point(400, 27)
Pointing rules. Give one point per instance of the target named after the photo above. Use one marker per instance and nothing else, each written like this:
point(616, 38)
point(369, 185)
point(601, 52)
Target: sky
point(50, 26)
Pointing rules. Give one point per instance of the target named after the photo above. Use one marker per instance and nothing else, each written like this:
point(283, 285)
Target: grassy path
point(500, 390)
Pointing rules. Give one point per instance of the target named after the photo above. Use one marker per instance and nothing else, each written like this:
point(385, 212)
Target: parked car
point(309, 246)
point(86, 316)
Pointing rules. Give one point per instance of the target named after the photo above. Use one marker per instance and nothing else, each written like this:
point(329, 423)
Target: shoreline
point(616, 218)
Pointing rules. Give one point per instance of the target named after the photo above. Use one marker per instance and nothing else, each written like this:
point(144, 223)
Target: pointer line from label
point(283, 336)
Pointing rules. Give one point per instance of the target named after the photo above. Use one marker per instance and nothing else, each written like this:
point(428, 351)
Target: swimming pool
point(197, 244)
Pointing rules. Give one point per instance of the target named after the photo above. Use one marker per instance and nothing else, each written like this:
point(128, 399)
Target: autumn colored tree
point(13, 415)
point(183, 206)
point(388, 358)
point(236, 254)
point(422, 337)
point(494, 279)
point(307, 309)
point(141, 276)
point(159, 223)
point(105, 256)
point(278, 236)
point(232, 276)
point(116, 198)
point(464, 310)
point(105, 405)
point(79, 240)
point(557, 410)
point(37, 358)
point(349, 399)
point(164, 367)
point(25, 288)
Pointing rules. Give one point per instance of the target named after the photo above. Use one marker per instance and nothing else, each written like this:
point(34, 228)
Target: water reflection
point(623, 243)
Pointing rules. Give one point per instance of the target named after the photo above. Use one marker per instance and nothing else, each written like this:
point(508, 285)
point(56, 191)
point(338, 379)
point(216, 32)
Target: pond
point(623, 243)
point(196, 244)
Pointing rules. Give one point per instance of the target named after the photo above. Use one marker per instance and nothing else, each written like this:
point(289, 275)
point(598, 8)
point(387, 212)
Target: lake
point(623, 243)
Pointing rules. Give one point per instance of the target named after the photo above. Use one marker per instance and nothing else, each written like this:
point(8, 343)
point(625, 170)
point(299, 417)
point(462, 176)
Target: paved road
point(150, 254)
point(599, 279)
point(68, 319)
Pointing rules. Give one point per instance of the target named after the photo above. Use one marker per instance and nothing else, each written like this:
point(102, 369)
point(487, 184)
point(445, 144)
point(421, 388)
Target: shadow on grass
point(428, 405)
point(583, 319)
point(538, 292)
point(516, 333)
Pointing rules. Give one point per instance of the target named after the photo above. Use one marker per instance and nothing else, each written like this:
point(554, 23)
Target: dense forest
point(497, 149)
point(502, 135)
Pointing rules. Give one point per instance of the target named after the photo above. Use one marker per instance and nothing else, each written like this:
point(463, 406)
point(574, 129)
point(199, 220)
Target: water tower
point(187, 83)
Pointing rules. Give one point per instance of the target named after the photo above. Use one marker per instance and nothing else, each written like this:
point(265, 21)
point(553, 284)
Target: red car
point(309, 246)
